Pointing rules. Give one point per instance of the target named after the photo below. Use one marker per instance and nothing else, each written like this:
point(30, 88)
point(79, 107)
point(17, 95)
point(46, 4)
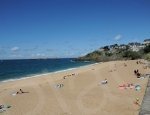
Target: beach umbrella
point(137, 87)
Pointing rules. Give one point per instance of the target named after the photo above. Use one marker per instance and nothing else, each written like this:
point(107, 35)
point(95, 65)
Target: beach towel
point(13, 94)
point(4, 108)
point(131, 87)
point(104, 82)
point(122, 88)
point(59, 85)
point(126, 86)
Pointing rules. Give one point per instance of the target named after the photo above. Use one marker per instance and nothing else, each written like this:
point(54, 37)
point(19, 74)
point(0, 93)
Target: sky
point(69, 28)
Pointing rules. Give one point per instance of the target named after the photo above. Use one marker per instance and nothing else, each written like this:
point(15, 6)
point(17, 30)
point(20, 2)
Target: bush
point(147, 49)
point(106, 48)
point(131, 55)
point(147, 56)
point(108, 54)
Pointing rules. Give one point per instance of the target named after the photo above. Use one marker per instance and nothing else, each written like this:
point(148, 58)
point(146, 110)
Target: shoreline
point(82, 93)
point(45, 74)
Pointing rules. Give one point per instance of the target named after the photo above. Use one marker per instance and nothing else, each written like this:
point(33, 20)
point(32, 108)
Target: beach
point(78, 91)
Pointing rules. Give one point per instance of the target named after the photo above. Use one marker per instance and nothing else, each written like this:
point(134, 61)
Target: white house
point(146, 41)
point(134, 46)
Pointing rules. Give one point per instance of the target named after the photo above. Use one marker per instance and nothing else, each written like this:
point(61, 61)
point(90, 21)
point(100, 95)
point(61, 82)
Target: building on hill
point(123, 46)
point(114, 46)
point(146, 42)
point(135, 46)
point(101, 49)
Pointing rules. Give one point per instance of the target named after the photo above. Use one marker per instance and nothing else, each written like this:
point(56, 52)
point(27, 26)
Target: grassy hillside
point(117, 53)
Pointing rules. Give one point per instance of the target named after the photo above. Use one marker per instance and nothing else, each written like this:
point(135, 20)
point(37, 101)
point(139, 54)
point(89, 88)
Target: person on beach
point(21, 91)
point(73, 74)
point(137, 102)
point(104, 81)
point(138, 75)
point(135, 72)
point(1, 106)
point(64, 77)
point(17, 92)
point(125, 64)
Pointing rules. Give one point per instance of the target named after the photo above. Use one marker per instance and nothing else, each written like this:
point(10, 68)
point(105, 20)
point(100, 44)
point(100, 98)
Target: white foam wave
point(44, 74)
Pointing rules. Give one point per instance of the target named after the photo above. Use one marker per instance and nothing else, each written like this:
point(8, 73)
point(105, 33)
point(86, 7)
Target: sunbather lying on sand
point(126, 86)
point(1, 106)
point(104, 81)
point(4, 107)
point(59, 85)
point(19, 92)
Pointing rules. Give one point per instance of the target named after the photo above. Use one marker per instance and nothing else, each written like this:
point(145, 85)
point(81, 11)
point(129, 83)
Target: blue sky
point(69, 28)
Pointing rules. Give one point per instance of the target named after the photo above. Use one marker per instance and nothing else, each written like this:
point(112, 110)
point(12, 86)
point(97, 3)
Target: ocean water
point(17, 69)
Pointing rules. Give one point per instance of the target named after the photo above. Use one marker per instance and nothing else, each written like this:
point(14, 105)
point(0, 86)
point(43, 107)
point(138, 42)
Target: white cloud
point(14, 49)
point(16, 56)
point(118, 37)
point(38, 55)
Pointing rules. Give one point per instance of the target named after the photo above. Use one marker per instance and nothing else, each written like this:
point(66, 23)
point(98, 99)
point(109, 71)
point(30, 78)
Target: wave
point(44, 74)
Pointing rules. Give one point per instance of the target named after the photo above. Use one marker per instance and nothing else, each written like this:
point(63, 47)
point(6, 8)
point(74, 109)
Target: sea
point(11, 70)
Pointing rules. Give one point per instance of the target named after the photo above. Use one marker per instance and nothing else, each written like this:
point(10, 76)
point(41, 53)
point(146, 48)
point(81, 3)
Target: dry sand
point(82, 93)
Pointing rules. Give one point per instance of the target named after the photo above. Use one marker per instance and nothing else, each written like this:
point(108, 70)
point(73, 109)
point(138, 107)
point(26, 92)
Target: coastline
point(45, 74)
point(81, 93)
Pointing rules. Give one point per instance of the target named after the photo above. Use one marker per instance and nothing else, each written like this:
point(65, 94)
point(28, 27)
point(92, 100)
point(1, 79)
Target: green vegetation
point(116, 52)
point(147, 57)
point(147, 49)
point(131, 55)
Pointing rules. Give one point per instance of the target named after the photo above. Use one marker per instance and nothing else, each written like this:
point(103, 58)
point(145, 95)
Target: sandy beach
point(78, 91)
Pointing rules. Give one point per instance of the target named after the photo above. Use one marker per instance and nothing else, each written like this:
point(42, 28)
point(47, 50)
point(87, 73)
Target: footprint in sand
point(105, 95)
point(40, 102)
point(85, 96)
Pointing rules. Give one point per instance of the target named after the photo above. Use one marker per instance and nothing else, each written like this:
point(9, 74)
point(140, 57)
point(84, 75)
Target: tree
point(106, 48)
point(131, 54)
point(147, 56)
point(108, 54)
point(147, 49)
